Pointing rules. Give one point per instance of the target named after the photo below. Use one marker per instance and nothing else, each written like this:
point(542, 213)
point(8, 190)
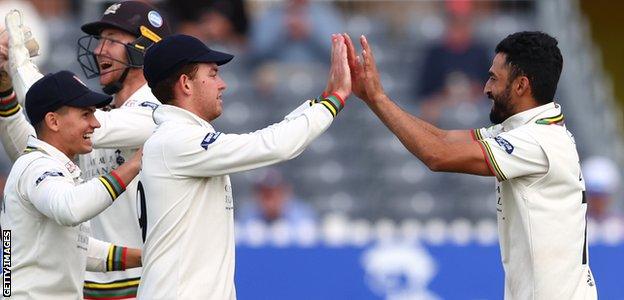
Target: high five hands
point(364, 79)
point(339, 81)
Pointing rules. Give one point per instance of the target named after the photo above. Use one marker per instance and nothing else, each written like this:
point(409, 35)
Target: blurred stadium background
point(367, 220)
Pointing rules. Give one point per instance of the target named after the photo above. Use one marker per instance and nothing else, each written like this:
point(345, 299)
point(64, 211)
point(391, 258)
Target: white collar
point(144, 93)
point(35, 144)
point(548, 110)
point(169, 113)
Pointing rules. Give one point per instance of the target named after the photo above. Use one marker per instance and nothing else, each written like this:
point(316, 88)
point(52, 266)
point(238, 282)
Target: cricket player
point(189, 250)
point(112, 50)
point(46, 203)
point(540, 191)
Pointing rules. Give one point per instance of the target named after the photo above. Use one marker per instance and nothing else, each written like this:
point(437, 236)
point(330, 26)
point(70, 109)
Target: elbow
point(287, 152)
point(434, 162)
point(283, 154)
point(69, 220)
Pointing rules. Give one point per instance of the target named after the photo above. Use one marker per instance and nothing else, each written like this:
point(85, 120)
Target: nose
point(95, 123)
point(100, 46)
point(222, 84)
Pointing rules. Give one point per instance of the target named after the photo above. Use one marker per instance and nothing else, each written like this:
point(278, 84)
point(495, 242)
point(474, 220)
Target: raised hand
point(366, 83)
point(357, 70)
point(21, 44)
point(339, 81)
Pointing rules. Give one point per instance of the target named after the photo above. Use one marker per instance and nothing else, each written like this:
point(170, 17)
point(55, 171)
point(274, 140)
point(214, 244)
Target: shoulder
point(38, 166)
point(174, 135)
point(143, 97)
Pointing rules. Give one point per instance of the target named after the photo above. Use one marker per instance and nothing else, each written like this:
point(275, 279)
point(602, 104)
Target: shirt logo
point(151, 105)
point(209, 139)
point(46, 174)
point(505, 144)
point(71, 167)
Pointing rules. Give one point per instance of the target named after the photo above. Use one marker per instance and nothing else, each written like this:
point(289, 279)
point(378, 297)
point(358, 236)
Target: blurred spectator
point(274, 202)
point(455, 68)
point(295, 31)
point(219, 23)
point(602, 182)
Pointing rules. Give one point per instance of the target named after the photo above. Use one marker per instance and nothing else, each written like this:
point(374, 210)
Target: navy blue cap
point(173, 52)
point(56, 90)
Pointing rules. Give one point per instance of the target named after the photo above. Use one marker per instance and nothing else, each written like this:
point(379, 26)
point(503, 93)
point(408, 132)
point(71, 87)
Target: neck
point(55, 142)
point(525, 104)
point(187, 105)
point(134, 81)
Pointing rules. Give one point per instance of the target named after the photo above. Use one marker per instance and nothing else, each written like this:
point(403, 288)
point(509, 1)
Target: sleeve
point(104, 257)
point(23, 78)
point(513, 154)
point(127, 127)
point(59, 199)
point(201, 153)
point(14, 128)
point(486, 132)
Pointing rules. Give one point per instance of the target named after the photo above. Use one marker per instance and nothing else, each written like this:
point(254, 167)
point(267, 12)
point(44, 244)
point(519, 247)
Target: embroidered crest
point(112, 9)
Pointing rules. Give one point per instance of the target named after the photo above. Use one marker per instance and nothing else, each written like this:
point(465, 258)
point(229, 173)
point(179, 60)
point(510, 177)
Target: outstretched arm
point(440, 150)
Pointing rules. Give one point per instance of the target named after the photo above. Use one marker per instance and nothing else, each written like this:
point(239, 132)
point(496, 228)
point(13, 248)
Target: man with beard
point(540, 192)
point(113, 49)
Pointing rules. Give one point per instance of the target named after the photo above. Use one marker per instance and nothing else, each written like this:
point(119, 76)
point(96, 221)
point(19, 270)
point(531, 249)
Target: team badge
point(155, 19)
point(112, 9)
point(118, 158)
point(71, 167)
point(505, 144)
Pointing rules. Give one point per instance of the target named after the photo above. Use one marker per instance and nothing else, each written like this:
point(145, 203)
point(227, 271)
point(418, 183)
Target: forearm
point(133, 258)
point(422, 139)
point(127, 171)
point(70, 205)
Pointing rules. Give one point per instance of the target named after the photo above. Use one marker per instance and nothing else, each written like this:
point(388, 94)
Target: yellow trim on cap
point(149, 34)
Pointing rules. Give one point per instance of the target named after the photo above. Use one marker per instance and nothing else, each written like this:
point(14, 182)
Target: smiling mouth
point(105, 66)
point(87, 136)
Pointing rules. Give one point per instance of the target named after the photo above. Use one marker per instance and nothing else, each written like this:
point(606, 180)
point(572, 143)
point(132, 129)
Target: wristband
point(8, 103)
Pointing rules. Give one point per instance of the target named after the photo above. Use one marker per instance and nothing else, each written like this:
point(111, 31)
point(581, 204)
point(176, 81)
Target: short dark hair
point(535, 55)
point(163, 91)
point(39, 126)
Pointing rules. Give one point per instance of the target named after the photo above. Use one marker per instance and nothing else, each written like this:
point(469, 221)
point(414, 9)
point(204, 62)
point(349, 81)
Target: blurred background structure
point(359, 182)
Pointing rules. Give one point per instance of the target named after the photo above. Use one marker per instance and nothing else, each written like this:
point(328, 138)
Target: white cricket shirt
point(540, 205)
point(189, 250)
point(44, 207)
point(123, 130)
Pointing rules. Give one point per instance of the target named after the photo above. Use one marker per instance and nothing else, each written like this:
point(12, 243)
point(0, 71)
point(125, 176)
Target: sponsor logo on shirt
point(46, 174)
point(229, 200)
point(209, 139)
point(505, 144)
point(151, 105)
